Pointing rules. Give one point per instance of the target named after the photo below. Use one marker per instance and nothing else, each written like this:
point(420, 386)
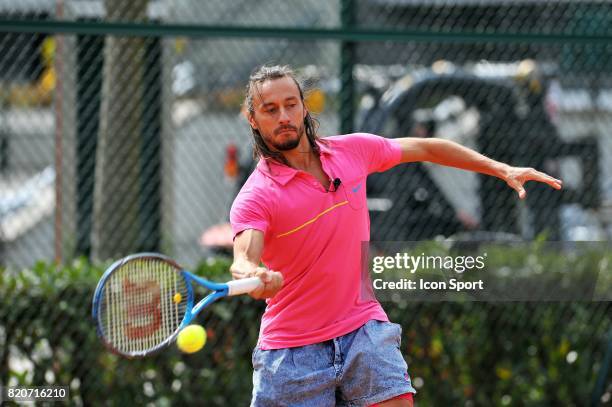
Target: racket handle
point(243, 286)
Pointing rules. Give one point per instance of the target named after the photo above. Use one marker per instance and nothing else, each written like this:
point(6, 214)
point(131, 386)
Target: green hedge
point(45, 316)
point(480, 353)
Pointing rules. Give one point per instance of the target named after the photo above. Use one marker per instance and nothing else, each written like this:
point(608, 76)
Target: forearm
point(451, 154)
point(248, 248)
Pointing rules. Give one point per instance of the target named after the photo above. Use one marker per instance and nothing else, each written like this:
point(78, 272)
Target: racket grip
point(243, 286)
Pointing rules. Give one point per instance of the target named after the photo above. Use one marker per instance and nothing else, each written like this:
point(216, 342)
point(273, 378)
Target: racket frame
point(219, 290)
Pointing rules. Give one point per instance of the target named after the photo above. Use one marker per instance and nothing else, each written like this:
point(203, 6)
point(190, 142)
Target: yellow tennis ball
point(191, 339)
point(177, 298)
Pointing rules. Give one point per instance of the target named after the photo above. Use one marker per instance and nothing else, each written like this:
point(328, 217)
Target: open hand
point(516, 177)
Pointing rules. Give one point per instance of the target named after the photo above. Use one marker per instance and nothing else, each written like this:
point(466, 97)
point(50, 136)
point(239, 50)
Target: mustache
point(285, 128)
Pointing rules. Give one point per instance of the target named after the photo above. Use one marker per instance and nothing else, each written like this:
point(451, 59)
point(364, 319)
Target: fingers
point(272, 283)
point(264, 274)
point(522, 175)
point(258, 293)
point(518, 187)
point(542, 177)
point(242, 269)
point(272, 280)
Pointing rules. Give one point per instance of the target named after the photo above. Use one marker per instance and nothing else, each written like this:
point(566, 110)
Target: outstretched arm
point(448, 153)
point(248, 248)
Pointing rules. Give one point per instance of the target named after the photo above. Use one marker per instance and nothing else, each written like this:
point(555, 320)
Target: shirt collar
point(276, 171)
point(282, 173)
point(324, 147)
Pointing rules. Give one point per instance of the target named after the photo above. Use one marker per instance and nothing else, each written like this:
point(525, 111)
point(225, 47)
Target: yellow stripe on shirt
point(313, 219)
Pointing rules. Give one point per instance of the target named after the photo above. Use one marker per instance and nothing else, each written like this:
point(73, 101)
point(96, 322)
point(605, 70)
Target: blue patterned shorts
point(360, 368)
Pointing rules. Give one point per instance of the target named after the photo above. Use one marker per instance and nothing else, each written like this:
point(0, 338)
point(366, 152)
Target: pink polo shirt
point(314, 238)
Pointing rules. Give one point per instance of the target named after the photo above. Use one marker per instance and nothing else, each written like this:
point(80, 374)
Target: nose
point(283, 117)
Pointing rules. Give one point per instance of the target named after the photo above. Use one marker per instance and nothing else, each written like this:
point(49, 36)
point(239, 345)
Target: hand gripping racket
point(144, 300)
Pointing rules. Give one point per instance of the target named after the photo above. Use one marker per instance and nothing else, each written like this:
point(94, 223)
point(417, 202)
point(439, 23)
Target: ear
point(252, 121)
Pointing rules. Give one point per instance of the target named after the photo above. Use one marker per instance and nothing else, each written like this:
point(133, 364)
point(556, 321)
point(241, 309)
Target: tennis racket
point(144, 300)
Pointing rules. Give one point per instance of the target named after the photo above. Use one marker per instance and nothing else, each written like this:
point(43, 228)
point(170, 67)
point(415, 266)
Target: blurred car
point(500, 115)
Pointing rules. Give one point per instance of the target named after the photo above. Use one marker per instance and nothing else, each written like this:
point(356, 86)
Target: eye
point(270, 110)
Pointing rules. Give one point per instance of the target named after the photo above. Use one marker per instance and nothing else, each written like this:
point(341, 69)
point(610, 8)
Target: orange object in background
point(230, 168)
point(315, 101)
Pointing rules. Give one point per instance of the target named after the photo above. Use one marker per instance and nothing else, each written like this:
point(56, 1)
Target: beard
point(288, 144)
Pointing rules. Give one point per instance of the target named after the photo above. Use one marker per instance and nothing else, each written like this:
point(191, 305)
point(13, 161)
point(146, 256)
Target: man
point(302, 212)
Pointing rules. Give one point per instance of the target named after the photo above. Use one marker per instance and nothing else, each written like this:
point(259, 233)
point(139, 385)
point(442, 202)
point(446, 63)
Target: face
point(278, 113)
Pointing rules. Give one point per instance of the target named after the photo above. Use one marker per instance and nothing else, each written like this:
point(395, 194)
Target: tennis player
point(323, 339)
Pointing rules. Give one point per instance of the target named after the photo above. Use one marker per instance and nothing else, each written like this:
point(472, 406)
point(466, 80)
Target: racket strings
point(143, 305)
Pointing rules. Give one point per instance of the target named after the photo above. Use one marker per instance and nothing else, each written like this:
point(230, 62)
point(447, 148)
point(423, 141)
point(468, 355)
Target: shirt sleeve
point(249, 211)
point(378, 153)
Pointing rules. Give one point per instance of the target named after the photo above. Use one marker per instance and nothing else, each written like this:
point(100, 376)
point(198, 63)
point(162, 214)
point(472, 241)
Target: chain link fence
point(121, 131)
point(111, 144)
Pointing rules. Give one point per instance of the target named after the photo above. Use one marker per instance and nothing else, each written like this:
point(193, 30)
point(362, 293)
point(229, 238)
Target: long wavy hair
point(259, 76)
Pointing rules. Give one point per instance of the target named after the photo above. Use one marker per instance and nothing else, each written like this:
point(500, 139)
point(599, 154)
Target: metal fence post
point(347, 62)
